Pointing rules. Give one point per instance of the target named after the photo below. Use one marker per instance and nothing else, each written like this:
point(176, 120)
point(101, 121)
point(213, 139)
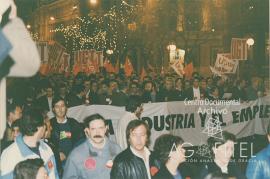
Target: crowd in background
point(115, 89)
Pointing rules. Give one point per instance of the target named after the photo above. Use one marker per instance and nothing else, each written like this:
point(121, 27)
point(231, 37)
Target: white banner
point(225, 64)
point(239, 49)
point(191, 120)
point(177, 61)
point(88, 61)
point(177, 54)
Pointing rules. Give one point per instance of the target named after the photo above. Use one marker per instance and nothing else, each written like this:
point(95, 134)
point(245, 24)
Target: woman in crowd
point(222, 149)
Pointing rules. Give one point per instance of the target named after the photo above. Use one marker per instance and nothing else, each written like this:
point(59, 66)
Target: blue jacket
point(18, 151)
point(259, 166)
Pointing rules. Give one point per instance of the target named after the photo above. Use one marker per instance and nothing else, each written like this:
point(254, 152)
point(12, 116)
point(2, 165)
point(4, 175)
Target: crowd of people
point(115, 89)
point(36, 147)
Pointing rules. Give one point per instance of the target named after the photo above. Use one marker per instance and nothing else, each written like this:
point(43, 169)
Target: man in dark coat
point(134, 162)
point(66, 132)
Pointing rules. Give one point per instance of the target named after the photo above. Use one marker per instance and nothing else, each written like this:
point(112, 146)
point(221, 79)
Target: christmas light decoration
point(100, 32)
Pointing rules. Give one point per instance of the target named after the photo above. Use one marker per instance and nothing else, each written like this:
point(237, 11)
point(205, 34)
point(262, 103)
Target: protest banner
point(56, 52)
point(43, 50)
point(87, 61)
point(194, 121)
point(177, 61)
point(225, 65)
point(54, 58)
point(239, 49)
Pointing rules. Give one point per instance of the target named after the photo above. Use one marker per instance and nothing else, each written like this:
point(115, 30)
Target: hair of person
point(122, 86)
point(164, 144)
point(61, 85)
point(146, 82)
point(113, 81)
point(217, 141)
point(91, 118)
point(179, 79)
point(196, 78)
point(93, 81)
point(147, 78)
point(28, 169)
point(49, 86)
point(11, 107)
point(78, 89)
point(56, 99)
point(105, 82)
point(31, 120)
point(133, 125)
point(134, 102)
point(16, 123)
point(213, 89)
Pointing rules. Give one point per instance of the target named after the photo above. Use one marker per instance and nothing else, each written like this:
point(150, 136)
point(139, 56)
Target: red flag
point(143, 74)
point(128, 67)
point(188, 71)
point(116, 68)
point(76, 69)
point(108, 66)
point(44, 69)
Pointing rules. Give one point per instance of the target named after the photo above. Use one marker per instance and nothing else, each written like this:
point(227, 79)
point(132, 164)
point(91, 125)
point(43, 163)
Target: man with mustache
point(93, 158)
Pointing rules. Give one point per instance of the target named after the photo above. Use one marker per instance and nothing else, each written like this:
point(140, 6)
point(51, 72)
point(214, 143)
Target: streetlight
point(250, 41)
point(28, 26)
point(93, 2)
point(109, 51)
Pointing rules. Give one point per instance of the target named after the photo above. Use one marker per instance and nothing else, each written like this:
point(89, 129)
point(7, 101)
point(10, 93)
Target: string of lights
point(107, 31)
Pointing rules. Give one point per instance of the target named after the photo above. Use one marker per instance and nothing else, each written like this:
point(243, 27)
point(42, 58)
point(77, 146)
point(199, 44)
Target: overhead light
point(28, 26)
point(109, 51)
point(93, 2)
point(52, 18)
point(213, 29)
point(250, 41)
